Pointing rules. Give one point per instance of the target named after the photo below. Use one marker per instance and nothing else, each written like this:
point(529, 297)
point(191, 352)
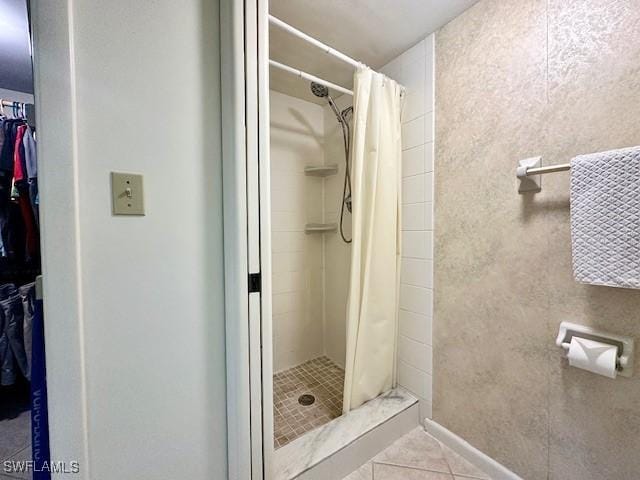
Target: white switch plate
point(127, 194)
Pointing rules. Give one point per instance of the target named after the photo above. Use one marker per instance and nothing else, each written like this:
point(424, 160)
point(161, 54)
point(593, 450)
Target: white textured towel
point(605, 218)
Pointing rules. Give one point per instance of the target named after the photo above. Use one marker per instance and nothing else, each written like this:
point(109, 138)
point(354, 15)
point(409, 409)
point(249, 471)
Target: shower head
point(319, 90)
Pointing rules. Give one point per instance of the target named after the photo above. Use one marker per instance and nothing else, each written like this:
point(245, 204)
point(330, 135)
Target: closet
point(23, 412)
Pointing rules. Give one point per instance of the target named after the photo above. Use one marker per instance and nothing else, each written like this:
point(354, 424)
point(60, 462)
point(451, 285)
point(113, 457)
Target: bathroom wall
point(414, 70)
point(136, 368)
point(297, 140)
point(518, 78)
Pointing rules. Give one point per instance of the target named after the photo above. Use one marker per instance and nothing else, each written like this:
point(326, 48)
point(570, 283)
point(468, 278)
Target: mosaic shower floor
point(319, 377)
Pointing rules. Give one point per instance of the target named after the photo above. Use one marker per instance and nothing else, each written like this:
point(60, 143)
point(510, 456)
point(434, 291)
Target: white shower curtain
point(372, 311)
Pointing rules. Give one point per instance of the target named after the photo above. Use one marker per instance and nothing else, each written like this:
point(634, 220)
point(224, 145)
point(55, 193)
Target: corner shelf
point(320, 170)
point(320, 228)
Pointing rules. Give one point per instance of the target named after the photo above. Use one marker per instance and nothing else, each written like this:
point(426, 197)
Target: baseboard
point(484, 462)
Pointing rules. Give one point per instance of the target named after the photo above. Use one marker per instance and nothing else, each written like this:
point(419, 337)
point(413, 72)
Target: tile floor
point(417, 456)
point(319, 377)
point(15, 428)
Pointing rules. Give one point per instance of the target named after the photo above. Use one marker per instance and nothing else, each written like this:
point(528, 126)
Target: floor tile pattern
point(418, 456)
point(319, 377)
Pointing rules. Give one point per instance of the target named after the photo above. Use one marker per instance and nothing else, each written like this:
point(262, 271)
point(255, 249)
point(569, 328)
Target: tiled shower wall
point(337, 253)
point(415, 70)
point(516, 79)
point(297, 140)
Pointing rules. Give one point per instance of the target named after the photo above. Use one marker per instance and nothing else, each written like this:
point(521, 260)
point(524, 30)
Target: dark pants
point(13, 314)
point(5, 198)
point(7, 359)
point(28, 296)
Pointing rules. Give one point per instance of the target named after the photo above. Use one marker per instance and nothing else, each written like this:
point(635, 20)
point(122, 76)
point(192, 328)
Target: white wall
point(297, 140)
point(414, 69)
point(144, 96)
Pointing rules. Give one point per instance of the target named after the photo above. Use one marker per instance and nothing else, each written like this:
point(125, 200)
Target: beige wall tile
point(490, 374)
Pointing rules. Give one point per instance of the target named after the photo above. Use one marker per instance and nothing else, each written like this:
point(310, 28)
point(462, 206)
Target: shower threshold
point(348, 441)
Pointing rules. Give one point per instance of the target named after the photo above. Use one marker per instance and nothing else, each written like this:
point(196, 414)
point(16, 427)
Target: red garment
point(32, 246)
point(18, 172)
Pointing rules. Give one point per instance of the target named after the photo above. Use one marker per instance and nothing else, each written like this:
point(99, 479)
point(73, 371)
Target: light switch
point(127, 194)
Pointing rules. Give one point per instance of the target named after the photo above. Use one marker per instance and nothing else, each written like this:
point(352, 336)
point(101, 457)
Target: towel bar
point(529, 171)
point(551, 169)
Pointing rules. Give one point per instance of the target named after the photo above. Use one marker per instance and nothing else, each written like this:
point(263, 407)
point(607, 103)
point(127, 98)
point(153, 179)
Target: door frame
point(235, 238)
point(55, 103)
point(264, 162)
point(247, 227)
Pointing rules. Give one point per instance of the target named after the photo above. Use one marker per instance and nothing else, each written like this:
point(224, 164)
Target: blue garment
point(30, 154)
point(31, 160)
point(10, 128)
point(39, 411)
point(34, 197)
point(6, 153)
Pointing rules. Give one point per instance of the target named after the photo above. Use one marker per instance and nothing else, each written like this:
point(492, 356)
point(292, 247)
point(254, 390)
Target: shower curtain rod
point(317, 43)
point(327, 49)
point(308, 76)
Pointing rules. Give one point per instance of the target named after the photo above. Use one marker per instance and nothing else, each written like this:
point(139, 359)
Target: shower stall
point(311, 232)
point(336, 376)
point(335, 185)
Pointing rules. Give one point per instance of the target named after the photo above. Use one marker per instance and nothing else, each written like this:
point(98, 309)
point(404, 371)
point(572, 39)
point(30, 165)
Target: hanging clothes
point(17, 310)
point(29, 143)
point(372, 311)
point(19, 165)
point(19, 247)
point(28, 297)
point(14, 360)
point(21, 184)
point(31, 159)
point(19, 209)
point(9, 139)
point(7, 233)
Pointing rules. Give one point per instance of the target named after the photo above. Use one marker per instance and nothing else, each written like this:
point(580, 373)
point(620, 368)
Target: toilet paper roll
point(596, 357)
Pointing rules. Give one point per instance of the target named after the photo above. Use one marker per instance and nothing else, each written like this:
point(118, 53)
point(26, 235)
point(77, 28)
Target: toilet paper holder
point(625, 344)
